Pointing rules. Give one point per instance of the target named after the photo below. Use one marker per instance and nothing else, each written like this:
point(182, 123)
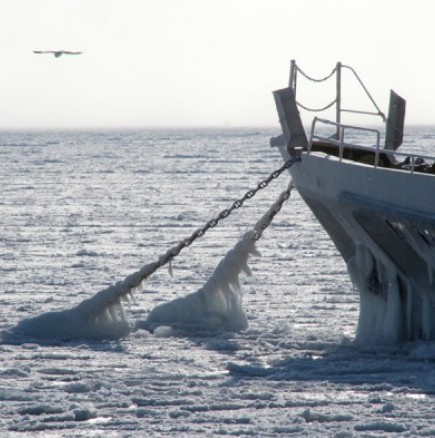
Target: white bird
point(56, 53)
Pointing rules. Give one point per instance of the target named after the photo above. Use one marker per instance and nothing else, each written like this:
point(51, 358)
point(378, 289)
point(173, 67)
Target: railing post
point(378, 144)
point(292, 79)
point(313, 128)
point(340, 136)
point(338, 99)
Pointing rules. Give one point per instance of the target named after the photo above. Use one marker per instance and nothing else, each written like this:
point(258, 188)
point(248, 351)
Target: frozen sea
point(82, 210)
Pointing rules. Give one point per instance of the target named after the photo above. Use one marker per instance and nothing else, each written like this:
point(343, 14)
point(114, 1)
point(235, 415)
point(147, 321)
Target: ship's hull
point(382, 221)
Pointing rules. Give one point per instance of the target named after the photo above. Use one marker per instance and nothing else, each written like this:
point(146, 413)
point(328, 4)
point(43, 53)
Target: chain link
point(317, 110)
point(273, 211)
point(316, 79)
point(167, 258)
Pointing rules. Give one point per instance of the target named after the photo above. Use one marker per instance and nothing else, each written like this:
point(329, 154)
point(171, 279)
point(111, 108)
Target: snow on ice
point(81, 210)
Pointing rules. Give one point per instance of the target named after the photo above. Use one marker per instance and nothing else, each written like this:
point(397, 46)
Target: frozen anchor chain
point(259, 227)
point(267, 219)
point(102, 316)
point(134, 280)
point(124, 288)
point(218, 303)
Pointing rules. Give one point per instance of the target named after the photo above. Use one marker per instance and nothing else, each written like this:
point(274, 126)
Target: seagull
point(56, 53)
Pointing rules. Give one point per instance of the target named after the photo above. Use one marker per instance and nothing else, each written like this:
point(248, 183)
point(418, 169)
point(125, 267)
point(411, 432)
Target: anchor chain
point(173, 252)
point(273, 211)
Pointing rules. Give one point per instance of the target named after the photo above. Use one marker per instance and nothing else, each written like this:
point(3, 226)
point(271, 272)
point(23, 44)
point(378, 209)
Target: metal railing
point(398, 160)
point(403, 160)
point(341, 143)
point(337, 72)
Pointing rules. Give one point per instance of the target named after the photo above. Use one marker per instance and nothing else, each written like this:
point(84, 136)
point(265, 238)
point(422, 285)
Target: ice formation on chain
point(218, 304)
point(99, 317)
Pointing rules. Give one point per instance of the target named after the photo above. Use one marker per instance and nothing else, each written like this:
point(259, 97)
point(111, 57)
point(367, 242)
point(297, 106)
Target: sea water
point(80, 211)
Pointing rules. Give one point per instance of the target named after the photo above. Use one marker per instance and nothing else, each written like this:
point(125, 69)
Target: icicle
point(393, 319)
point(409, 310)
point(426, 317)
point(112, 312)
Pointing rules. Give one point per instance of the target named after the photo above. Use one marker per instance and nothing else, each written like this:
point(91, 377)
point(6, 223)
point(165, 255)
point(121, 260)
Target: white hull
point(377, 206)
point(382, 221)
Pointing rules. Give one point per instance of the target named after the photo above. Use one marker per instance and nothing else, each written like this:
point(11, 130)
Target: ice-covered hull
point(375, 203)
point(382, 220)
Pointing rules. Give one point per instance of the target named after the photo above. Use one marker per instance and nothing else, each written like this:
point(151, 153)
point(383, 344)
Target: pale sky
point(172, 63)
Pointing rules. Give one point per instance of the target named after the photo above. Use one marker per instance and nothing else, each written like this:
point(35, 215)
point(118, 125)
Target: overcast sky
point(152, 63)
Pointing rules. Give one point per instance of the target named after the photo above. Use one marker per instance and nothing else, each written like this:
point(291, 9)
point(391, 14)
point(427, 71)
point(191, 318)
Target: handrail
point(295, 69)
point(380, 113)
point(341, 128)
point(413, 158)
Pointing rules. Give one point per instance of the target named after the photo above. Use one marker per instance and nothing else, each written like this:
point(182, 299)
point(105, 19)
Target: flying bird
point(56, 53)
